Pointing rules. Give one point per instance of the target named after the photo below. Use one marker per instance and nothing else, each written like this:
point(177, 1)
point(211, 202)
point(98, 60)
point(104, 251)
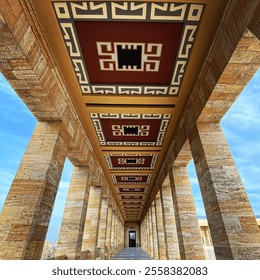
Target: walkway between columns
point(135, 253)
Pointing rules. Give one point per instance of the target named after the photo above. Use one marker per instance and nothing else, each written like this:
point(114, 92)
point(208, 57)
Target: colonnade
point(92, 225)
point(174, 232)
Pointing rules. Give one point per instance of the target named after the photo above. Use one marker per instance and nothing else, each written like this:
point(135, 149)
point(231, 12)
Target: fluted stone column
point(72, 227)
point(90, 236)
point(160, 228)
point(155, 237)
point(233, 227)
point(171, 238)
point(27, 210)
point(189, 236)
point(103, 228)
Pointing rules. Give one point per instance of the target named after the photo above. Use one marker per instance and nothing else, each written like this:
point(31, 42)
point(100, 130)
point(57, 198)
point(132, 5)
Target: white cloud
point(194, 181)
point(63, 190)
point(245, 112)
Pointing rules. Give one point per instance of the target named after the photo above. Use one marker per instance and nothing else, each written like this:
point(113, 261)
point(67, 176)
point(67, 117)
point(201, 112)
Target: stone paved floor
point(135, 253)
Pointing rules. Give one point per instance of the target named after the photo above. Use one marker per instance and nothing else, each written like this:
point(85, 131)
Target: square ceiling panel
point(128, 52)
point(131, 203)
point(131, 190)
point(131, 161)
point(130, 129)
point(133, 207)
point(129, 197)
point(128, 48)
point(131, 179)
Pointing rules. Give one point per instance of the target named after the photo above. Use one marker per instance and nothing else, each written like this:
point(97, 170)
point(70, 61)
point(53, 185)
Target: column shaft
point(151, 232)
point(171, 238)
point(112, 246)
point(160, 228)
point(148, 234)
point(155, 237)
point(143, 233)
point(232, 224)
point(103, 228)
point(90, 236)
point(27, 210)
point(72, 227)
point(108, 233)
point(116, 234)
point(189, 236)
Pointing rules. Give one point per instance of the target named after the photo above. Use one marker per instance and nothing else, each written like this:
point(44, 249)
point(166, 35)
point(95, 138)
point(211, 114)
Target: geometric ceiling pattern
point(131, 161)
point(126, 58)
point(107, 37)
point(130, 129)
point(132, 179)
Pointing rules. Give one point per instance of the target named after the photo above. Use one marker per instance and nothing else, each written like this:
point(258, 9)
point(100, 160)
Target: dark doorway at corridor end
point(132, 239)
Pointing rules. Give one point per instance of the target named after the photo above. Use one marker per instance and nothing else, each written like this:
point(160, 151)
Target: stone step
point(135, 253)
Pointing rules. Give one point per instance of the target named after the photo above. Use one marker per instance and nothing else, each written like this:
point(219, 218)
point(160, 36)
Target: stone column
point(188, 230)
point(150, 221)
point(90, 236)
point(116, 235)
point(27, 210)
point(72, 227)
point(108, 233)
point(155, 237)
point(103, 228)
point(233, 227)
point(123, 235)
point(141, 233)
point(112, 242)
point(160, 228)
point(148, 235)
point(171, 238)
point(144, 236)
point(120, 230)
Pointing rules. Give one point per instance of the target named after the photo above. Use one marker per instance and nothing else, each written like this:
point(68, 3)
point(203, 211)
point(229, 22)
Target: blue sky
point(241, 126)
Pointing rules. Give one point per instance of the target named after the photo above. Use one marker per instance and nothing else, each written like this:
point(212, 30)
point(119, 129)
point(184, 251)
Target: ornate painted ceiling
point(129, 68)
